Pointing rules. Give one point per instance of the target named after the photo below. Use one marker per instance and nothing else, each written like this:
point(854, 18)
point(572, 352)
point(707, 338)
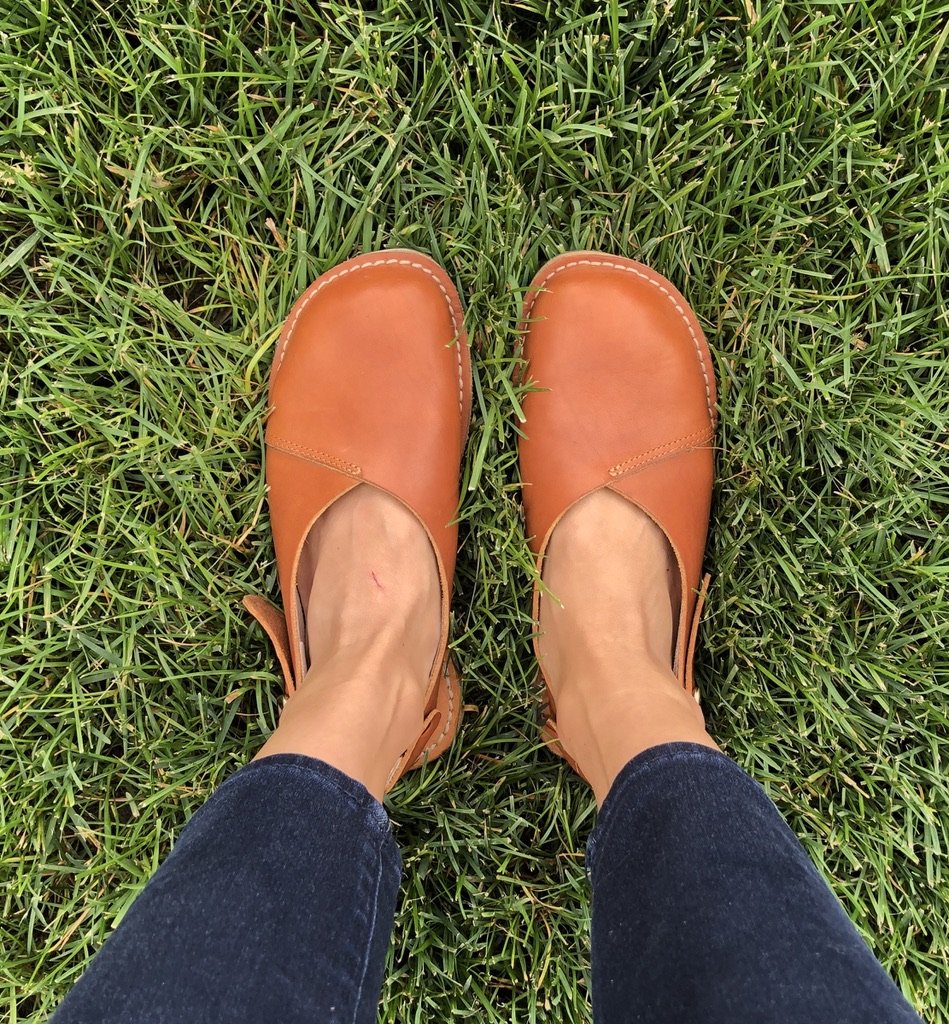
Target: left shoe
point(370, 386)
point(624, 398)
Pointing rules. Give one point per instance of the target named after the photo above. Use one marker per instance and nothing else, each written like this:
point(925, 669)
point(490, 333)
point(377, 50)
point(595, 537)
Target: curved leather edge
point(440, 726)
point(551, 737)
point(275, 626)
point(687, 675)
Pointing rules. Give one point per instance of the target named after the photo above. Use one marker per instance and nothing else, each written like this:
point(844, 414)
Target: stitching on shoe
point(654, 454)
point(449, 718)
point(390, 261)
point(645, 277)
point(392, 772)
point(313, 455)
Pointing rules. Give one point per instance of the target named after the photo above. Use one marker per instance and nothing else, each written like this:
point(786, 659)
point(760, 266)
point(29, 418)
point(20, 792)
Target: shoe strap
point(275, 626)
point(687, 668)
point(414, 753)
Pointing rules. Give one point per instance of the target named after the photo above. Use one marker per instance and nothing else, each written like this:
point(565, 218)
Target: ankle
point(604, 724)
point(608, 661)
point(387, 701)
point(380, 664)
point(357, 713)
point(369, 581)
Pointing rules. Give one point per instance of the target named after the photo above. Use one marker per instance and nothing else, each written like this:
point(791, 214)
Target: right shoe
point(623, 398)
point(370, 387)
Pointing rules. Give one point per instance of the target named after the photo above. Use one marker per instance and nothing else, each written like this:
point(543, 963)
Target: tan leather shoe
point(370, 386)
point(626, 400)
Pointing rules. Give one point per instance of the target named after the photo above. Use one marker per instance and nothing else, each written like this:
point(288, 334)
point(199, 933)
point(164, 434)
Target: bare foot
point(607, 625)
point(369, 582)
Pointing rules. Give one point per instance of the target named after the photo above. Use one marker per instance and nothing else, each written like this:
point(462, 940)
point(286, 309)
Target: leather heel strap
point(275, 626)
point(687, 678)
point(408, 760)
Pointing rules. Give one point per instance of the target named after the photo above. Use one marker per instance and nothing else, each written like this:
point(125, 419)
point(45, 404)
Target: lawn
point(174, 172)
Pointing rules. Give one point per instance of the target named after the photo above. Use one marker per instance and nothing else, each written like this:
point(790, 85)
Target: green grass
point(174, 172)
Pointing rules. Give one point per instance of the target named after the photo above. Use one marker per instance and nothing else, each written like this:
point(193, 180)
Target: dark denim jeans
point(277, 902)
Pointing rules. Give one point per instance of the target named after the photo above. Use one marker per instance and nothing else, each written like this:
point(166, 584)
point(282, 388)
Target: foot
point(608, 617)
point(369, 583)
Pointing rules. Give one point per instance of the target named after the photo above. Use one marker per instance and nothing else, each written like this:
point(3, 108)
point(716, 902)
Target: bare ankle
point(370, 583)
point(360, 718)
point(606, 726)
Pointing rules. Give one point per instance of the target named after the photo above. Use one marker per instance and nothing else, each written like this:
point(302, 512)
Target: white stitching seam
point(661, 451)
point(449, 718)
point(301, 451)
point(372, 929)
point(645, 277)
point(391, 261)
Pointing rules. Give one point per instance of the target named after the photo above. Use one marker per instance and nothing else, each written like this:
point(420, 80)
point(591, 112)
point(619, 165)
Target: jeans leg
point(706, 908)
point(276, 904)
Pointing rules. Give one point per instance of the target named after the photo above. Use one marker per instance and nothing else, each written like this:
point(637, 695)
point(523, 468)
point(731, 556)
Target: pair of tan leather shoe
point(371, 385)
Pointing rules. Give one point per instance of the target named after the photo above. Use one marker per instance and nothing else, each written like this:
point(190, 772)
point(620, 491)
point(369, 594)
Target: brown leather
point(625, 399)
point(370, 385)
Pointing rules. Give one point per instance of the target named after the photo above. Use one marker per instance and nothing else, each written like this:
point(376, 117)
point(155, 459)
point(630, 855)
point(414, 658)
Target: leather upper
point(370, 384)
point(623, 397)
